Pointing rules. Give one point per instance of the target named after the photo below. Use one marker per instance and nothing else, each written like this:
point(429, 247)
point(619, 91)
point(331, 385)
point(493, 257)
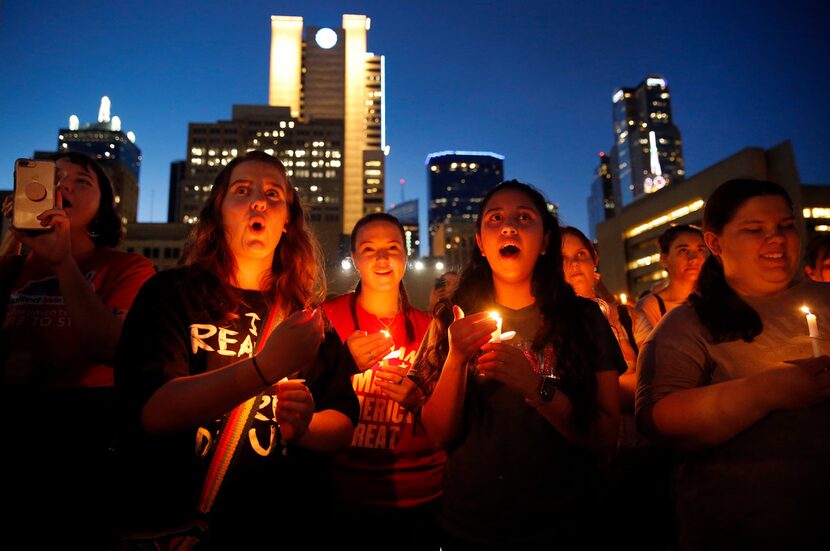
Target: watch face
point(548, 387)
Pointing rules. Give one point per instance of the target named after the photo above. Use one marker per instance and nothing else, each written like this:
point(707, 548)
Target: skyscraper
point(407, 215)
point(647, 153)
point(324, 121)
point(458, 181)
point(311, 153)
point(114, 149)
point(601, 204)
point(178, 172)
point(329, 74)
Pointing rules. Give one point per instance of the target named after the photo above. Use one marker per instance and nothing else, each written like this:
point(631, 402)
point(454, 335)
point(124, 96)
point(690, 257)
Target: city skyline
point(533, 83)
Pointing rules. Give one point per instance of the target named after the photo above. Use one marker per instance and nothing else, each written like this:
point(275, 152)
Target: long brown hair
point(296, 278)
point(562, 311)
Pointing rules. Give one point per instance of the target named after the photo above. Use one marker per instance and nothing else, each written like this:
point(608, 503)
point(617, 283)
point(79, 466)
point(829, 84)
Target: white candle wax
point(812, 330)
point(812, 326)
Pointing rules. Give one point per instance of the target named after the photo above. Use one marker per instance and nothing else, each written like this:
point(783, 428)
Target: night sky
point(529, 80)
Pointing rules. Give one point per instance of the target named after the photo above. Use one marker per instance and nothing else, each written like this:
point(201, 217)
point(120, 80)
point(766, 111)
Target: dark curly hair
point(296, 277)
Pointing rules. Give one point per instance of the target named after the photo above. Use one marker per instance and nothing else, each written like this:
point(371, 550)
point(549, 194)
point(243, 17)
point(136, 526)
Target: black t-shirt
point(170, 333)
point(512, 480)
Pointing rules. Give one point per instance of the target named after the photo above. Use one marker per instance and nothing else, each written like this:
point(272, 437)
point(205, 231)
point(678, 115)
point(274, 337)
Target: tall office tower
point(601, 204)
point(312, 153)
point(647, 151)
point(458, 181)
point(114, 150)
point(323, 73)
point(407, 215)
point(178, 171)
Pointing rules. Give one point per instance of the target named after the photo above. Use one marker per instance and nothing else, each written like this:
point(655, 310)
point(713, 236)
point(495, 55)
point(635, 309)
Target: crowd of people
point(230, 402)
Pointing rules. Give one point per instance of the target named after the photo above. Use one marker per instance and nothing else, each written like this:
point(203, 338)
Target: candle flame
point(805, 309)
point(623, 298)
point(385, 333)
point(495, 315)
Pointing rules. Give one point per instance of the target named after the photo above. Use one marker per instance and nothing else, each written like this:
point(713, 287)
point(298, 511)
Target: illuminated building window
point(816, 212)
point(664, 219)
point(652, 277)
point(644, 261)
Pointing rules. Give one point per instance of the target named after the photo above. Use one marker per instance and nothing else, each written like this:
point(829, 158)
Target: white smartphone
point(34, 192)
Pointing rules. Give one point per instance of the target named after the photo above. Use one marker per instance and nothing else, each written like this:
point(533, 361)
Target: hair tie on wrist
point(259, 372)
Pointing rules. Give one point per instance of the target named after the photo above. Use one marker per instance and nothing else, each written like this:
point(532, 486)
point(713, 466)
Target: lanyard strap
point(232, 429)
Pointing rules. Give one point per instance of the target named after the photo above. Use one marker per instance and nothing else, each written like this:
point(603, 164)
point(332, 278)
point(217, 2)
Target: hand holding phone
point(34, 193)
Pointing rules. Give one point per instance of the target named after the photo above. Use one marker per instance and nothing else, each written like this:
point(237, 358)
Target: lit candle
point(395, 353)
point(623, 299)
point(281, 391)
point(495, 336)
point(812, 329)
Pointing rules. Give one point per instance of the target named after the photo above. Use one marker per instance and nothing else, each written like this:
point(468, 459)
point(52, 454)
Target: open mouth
point(509, 250)
point(257, 225)
point(67, 203)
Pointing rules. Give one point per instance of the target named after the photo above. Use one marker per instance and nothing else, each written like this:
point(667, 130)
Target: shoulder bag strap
point(232, 430)
point(661, 304)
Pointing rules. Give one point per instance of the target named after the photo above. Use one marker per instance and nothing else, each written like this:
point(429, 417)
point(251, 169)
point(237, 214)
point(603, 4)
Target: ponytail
point(725, 315)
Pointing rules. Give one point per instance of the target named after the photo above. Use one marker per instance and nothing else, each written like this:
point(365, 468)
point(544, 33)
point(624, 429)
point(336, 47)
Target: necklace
point(388, 326)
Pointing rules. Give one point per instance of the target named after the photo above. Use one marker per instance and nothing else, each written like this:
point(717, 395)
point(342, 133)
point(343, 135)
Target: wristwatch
point(548, 386)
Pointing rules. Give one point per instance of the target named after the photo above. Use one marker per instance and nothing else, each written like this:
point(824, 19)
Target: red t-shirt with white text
point(390, 462)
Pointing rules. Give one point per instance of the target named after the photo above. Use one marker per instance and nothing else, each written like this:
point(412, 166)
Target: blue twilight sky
point(531, 80)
